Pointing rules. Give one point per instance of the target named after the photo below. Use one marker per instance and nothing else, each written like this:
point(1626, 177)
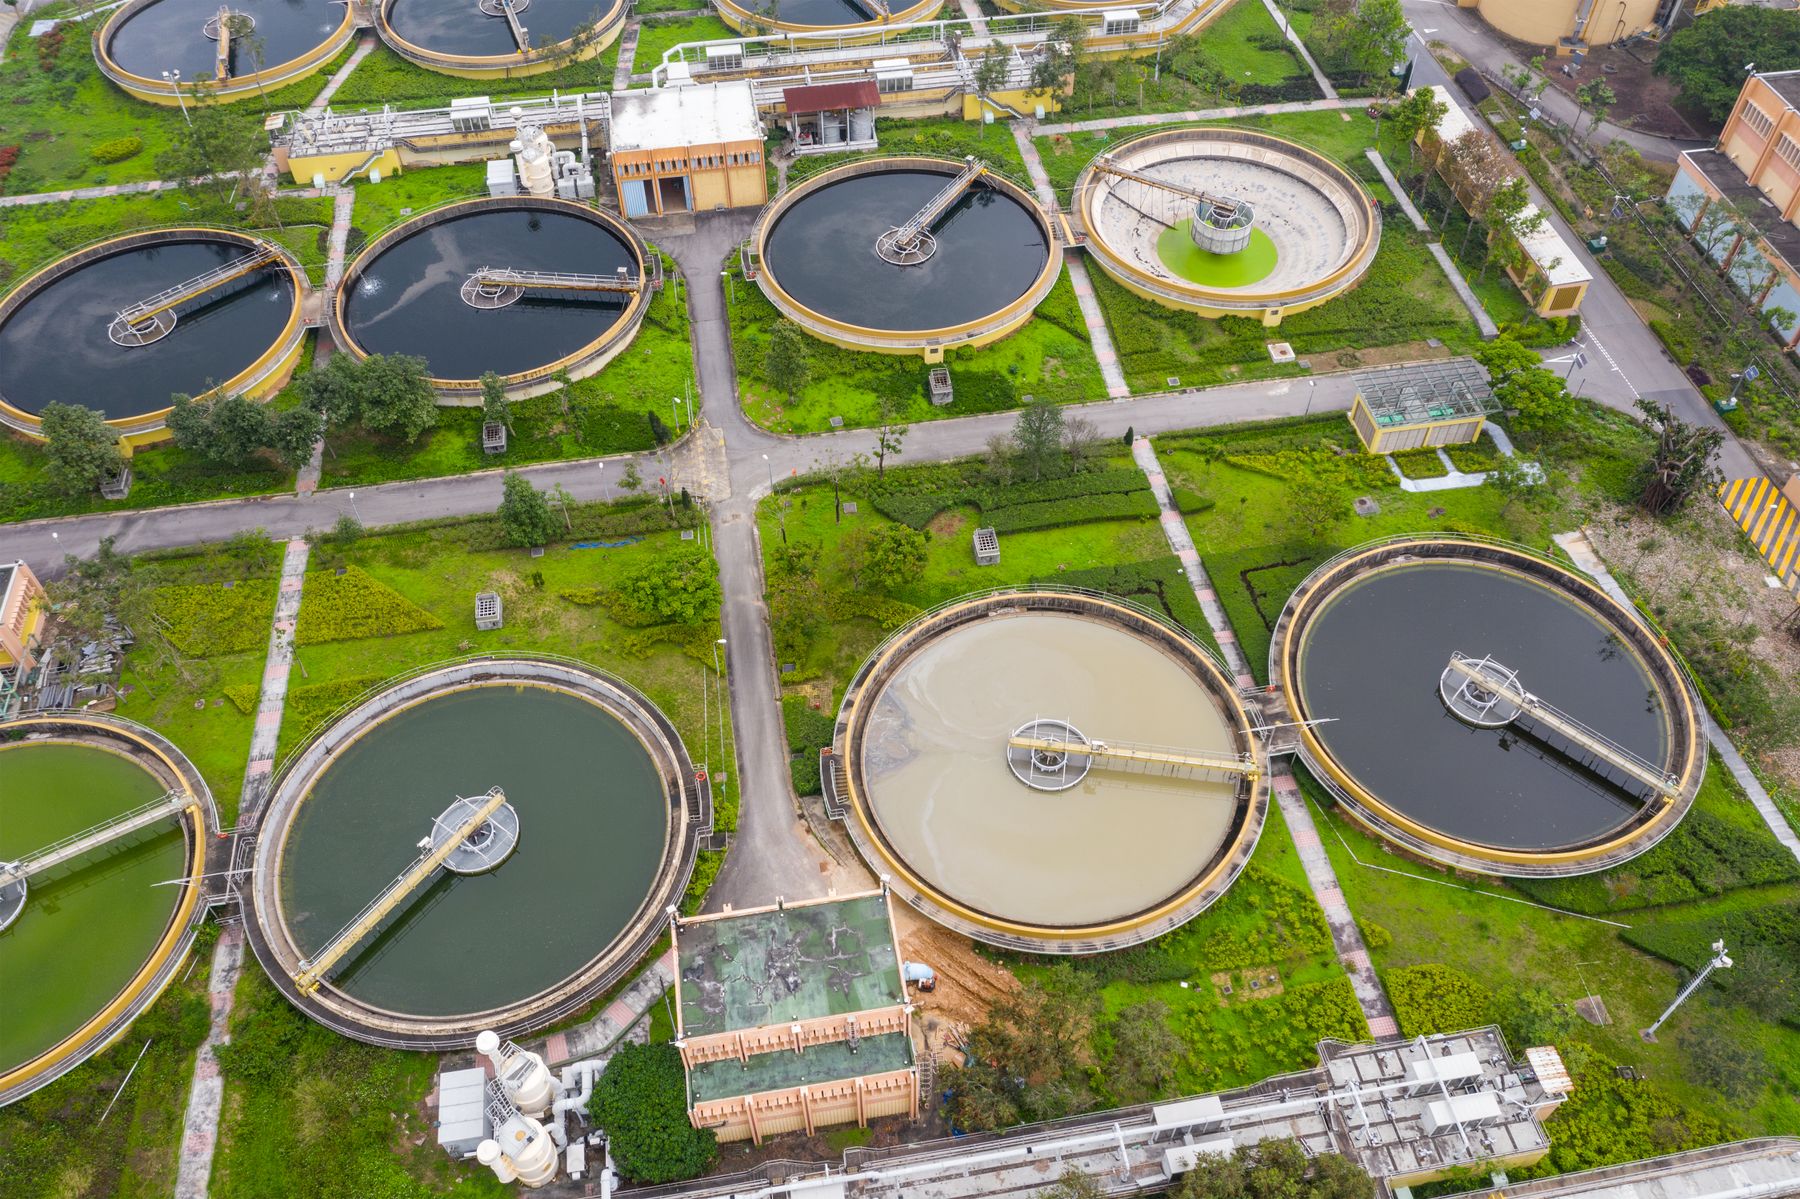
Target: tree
point(990, 70)
point(1025, 1060)
point(1505, 356)
point(678, 587)
point(999, 458)
point(83, 449)
point(1474, 166)
point(92, 589)
point(1419, 112)
point(1141, 1066)
point(1314, 507)
point(1511, 216)
point(839, 469)
point(1706, 60)
point(640, 1099)
point(1371, 37)
point(494, 409)
point(1079, 438)
point(1545, 409)
point(632, 479)
point(389, 394)
point(1275, 1169)
point(890, 435)
point(1060, 58)
point(886, 558)
point(226, 429)
point(1037, 436)
point(1508, 479)
point(796, 597)
point(1682, 464)
point(525, 515)
point(1073, 1184)
point(1596, 98)
point(785, 365)
point(293, 434)
point(211, 149)
point(245, 40)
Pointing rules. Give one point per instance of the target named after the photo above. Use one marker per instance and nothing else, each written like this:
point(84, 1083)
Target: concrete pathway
point(200, 1129)
point(90, 193)
point(1582, 552)
point(971, 12)
point(1346, 937)
point(343, 205)
point(628, 41)
point(1202, 114)
point(600, 1034)
point(1098, 334)
point(363, 49)
point(258, 774)
point(1306, 57)
point(1464, 292)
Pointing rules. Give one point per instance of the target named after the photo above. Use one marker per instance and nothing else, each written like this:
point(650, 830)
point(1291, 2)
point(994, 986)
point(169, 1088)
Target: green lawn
point(655, 36)
point(394, 199)
point(160, 477)
point(1049, 356)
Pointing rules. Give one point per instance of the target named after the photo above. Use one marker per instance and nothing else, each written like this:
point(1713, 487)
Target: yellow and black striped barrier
point(1770, 521)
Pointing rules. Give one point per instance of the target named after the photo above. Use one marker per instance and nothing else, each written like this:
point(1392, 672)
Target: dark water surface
point(406, 301)
point(55, 347)
point(1372, 659)
point(822, 252)
point(821, 12)
point(592, 826)
point(168, 36)
point(456, 27)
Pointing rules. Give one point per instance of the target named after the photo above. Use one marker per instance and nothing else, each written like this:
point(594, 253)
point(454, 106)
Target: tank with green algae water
point(593, 823)
point(88, 928)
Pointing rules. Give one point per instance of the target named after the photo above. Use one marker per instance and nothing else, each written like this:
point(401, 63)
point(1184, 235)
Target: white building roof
point(1452, 1068)
point(1455, 122)
point(1553, 256)
point(665, 118)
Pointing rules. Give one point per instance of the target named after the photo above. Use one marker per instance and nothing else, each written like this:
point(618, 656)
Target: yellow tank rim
point(238, 87)
point(499, 66)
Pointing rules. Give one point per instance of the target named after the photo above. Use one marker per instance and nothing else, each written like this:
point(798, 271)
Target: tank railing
point(199, 285)
point(122, 825)
point(1227, 208)
point(489, 276)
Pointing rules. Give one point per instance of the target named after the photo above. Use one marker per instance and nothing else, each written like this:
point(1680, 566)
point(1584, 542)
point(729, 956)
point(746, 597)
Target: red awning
point(829, 97)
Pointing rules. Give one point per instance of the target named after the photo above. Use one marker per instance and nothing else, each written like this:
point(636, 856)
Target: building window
point(1787, 151)
point(1757, 119)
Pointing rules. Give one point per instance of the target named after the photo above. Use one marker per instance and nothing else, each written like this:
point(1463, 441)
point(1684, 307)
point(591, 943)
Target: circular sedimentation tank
point(992, 257)
point(242, 336)
point(287, 41)
point(1366, 644)
point(605, 822)
point(407, 294)
point(98, 936)
point(819, 16)
point(1049, 846)
point(1314, 233)
point(477, 41)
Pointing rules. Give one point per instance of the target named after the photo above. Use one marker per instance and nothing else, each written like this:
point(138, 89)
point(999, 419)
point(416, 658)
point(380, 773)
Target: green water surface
point(90, 925)
point(1178, 252)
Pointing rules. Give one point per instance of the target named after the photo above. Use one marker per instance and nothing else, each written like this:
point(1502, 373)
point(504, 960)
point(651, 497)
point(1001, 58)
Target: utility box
point(462, 1111)
point(987, 547)
point(488, 613)
point(501, 179)
point(942, 391)
point(116, 484)
point(493, 437)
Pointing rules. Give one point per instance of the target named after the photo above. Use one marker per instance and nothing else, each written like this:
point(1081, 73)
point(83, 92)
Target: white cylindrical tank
point(528, 1081)
point(488, 1154)
point(536, 156)
point(528, 1150)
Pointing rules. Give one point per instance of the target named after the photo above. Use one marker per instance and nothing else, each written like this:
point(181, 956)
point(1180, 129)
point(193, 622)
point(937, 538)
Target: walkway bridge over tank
point(469, 830)
point(496, 287)
point(510, 9)
point(1482, 692)
point(153, 319)
point(14, 876)
point(911, 243)
point(1054, 755)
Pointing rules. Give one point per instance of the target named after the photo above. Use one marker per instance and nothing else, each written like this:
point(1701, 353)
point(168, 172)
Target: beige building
point(794, 1017)
point(21, 618)
point(1564, 26)
point(1740, 201)
point(687, 149)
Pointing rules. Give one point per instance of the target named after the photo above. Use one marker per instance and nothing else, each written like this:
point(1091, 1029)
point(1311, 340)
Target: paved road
point(1465, 33)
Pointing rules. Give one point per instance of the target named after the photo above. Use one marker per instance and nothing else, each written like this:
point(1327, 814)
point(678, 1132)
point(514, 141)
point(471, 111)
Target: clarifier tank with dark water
point(459, 29)
point(180, 35)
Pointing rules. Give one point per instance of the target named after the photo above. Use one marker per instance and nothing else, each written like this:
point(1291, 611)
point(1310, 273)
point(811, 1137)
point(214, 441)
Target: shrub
point(1188, 501)
point(1421, 464)
point(1431, 999)
point(116, 149)
point(1052, 514)
point(1472, 457)
point(641, 1102)
point(354, 604)
point(585, 597)
point(203, 619)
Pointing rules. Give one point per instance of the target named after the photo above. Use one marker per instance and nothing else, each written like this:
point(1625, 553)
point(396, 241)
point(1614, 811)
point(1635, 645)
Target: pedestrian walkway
point(343, 206)
point(1306, 57)
point(1581, 551)
point(971, 12)
point(260, 771)
point(607, 1029)
point(1098, 334)
point(363, 49)
point(1464, 292)
point(206, 1095)
point(1202, 114)
point(1345, 936)
point(628, 41)
point(90, 193)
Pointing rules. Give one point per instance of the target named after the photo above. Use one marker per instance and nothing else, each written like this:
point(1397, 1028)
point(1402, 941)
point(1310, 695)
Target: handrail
point(122, 825)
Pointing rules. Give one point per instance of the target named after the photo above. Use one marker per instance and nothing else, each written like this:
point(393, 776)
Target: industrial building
point(1740, 200)
point(1551, 275)
point(21, 618)
point(1423, 404)
point(794, 1017)
point(687, 149)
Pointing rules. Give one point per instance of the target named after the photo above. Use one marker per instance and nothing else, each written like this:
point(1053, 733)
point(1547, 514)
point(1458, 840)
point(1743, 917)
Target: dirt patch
point(947, 524)
point(1246, 986)
point(968, 982)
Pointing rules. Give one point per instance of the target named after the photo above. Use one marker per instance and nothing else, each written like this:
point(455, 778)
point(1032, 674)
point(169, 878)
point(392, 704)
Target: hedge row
point(1421, 464)
point(351, 605)
point(928, 494)
point(1051, 514)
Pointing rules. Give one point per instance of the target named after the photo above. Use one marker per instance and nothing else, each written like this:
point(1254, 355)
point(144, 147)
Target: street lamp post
point(719, 693)
point(1720, 961)
point(778, 508)
point(174, 81)
point(353, 510)
point(674, 413)
point(730, 286)
point(1312, 391)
